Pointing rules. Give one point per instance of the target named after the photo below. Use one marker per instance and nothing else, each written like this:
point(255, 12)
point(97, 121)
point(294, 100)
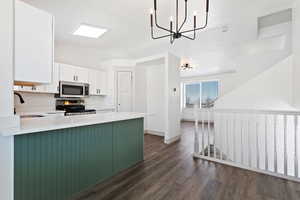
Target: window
point(203, 94)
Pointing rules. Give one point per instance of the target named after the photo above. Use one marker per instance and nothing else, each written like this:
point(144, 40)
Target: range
point(73, 107)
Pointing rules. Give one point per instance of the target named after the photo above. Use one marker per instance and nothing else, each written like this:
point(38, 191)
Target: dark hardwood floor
point(169, 172)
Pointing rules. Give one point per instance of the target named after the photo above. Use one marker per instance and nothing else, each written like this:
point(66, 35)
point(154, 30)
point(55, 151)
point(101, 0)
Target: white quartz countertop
point(48, 123)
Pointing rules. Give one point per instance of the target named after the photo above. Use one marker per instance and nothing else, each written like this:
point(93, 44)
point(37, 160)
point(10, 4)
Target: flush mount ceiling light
point(89, 31)
point(177, 32)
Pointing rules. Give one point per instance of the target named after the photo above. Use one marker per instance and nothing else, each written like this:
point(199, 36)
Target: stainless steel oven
point(69, 89)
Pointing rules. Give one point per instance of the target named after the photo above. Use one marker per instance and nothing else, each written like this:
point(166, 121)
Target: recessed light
point(89, 31)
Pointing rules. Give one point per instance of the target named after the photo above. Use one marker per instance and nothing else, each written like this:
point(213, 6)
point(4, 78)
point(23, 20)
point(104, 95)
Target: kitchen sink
point(31, 116)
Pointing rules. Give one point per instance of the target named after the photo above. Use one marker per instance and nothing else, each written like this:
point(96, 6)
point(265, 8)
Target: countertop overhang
point(35, 125)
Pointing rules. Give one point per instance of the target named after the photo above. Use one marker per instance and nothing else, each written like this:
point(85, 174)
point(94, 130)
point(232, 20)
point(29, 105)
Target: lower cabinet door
point(128, 143)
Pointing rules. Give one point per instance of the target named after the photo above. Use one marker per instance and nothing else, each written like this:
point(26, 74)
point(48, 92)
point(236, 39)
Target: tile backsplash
point(39, 102)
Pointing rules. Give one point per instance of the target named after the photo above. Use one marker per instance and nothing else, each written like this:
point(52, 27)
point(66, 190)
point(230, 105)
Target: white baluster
point(221, 136)
point(285, 144)
point(203, 131)
point(296, 146)
point(242, 146)
point(227, 138)
point(196, 138)
point(208, 132)
point(249, 143)
point(275, 144)
point(214, 134)
point(233, 137)
point(266, 143)
point(257, 144)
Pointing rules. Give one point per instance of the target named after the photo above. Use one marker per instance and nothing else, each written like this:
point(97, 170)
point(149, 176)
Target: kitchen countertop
point(55, 122)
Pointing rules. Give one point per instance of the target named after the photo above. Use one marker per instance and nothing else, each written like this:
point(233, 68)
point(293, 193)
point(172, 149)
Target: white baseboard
point(157, 133)
point(171, 140)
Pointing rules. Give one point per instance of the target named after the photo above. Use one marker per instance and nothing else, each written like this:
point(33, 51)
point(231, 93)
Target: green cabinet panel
point(55, 165)
point(128, 143)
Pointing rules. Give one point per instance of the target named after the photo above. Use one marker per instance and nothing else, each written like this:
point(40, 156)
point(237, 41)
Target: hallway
point(170, 172)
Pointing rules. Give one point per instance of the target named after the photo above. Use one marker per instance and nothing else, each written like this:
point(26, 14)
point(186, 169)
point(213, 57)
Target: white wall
point(248, 59)
point(296, 52)
point(155, 98)
point(150, 96)
point(271, 89)
point(6, 97)
point(140, 91)
point(156, 79)
point(173, 98)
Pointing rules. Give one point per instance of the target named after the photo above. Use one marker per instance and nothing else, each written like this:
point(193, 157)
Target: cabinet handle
point(73, 78)
point(76, 78)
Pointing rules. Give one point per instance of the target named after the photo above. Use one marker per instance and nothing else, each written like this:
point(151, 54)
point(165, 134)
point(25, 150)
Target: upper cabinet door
point(67, 73)
point(94, 90)
point(71, 73)
point(103, 83)
point(82, 75)
point(54, 86)
point(34, 38)
point(97, 81)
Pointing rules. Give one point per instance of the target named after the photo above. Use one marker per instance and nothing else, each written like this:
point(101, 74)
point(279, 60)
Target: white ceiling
point(129, 31)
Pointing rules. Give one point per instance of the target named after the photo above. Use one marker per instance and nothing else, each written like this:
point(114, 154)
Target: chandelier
point(177, 32)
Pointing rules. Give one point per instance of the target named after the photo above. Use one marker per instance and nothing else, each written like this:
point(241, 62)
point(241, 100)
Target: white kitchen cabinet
point(103, 82)
point(34, 39)
point(97, 81)
point(54, 86)
point(82, 75)
point(51, 88)
point(71, 73)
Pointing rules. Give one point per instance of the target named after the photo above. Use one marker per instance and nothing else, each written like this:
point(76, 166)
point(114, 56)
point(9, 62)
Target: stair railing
point(264, 141)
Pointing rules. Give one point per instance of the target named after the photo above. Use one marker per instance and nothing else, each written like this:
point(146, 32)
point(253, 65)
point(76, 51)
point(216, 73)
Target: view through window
point(203, 94)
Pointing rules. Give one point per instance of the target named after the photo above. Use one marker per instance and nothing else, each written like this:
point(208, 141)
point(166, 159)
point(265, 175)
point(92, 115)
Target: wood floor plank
point(169, 172)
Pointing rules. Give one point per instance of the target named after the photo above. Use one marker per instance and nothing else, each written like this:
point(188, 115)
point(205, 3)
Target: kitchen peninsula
point(57, 157)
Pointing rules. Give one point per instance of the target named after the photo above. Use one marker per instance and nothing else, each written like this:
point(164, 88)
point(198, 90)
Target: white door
point(124, 91)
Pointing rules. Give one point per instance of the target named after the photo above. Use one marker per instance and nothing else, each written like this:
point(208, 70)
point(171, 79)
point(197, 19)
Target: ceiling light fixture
point(186, 66)
point(177, 33)
point(89, 31)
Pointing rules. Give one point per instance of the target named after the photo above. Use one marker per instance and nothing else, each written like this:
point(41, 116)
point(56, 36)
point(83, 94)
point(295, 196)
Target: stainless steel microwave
point(69, 89)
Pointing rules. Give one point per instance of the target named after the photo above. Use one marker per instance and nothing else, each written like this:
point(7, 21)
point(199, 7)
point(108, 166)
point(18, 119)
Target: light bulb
point(195, 13)
point(151, 11)
point(171, 18)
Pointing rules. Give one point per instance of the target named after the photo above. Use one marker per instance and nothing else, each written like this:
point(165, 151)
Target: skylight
point(89, 31)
